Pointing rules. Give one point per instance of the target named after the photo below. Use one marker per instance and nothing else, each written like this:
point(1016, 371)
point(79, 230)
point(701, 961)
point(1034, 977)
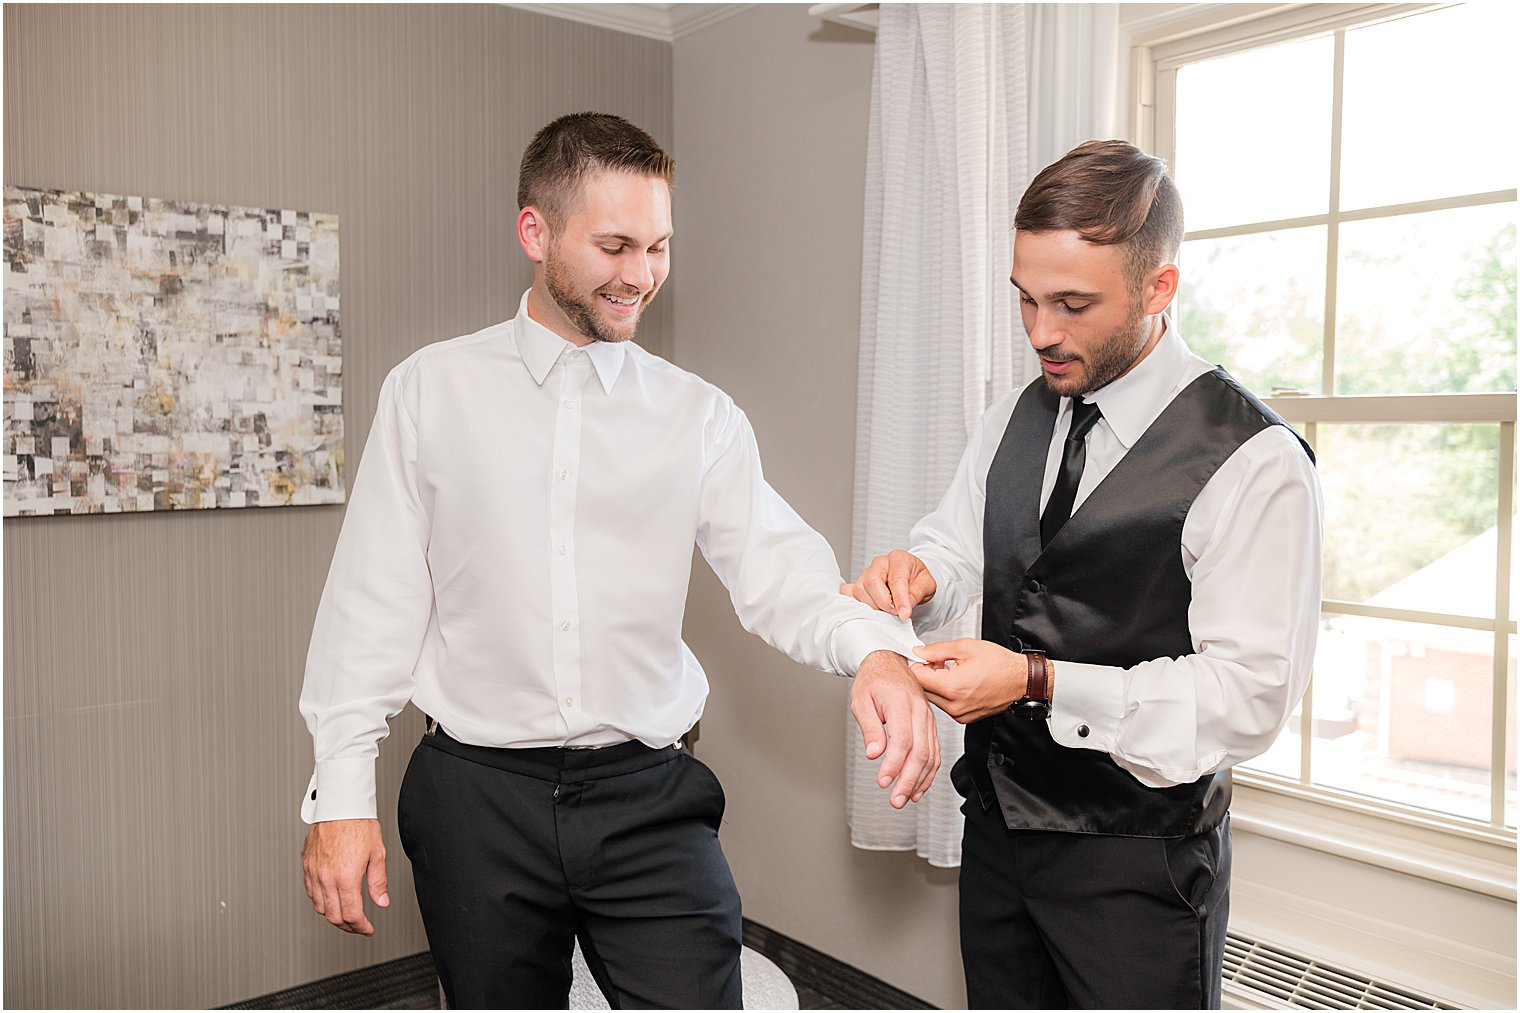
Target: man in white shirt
point(515, 560)
point(1145, 536)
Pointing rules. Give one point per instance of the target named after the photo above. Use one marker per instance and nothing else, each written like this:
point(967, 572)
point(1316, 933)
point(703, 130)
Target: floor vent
point(1274, 978)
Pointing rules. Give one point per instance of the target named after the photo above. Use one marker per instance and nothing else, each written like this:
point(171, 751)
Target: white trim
point(1394, 407)
point(1288, 23)
point(1499, 733)
point(1484, 865)
point(643, 20)
point(1469, 200)
point(661, 22)
point(1370, 815)
point(687, 19)
point(861, 16)
point(1167, 22)
point(1482, 624)
point(1330, 319)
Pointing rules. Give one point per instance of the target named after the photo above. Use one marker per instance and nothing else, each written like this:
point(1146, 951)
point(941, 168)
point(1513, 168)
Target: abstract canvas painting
point(162, 355)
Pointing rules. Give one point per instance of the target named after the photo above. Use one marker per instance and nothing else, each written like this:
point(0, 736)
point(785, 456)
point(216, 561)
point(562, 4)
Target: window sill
point(1471, 858)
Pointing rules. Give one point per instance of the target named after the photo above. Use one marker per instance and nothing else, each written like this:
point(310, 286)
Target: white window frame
point(1450, 850)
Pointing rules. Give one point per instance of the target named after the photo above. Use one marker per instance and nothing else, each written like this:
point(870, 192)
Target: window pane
point(1428, 109)
point(1256, 305)
point(1410, 515)
point(1422, 703)
point(1426, 303)
point(1284, 756)
point(1253, 135)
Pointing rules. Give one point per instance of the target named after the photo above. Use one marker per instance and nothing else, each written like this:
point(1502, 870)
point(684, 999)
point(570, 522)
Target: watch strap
point(1035, 703)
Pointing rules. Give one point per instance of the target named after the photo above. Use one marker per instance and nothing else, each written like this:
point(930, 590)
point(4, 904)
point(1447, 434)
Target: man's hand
point(339, 855)
point(894, 583)
point(983, 679)
point(898, 725)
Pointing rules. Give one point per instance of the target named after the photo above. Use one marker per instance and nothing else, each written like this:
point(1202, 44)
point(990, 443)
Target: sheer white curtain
point(948, 157)
point(1078, 78)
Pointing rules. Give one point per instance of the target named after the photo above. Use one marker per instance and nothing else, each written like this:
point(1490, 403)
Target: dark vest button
point(1082, 731)
point(1034, 586)
point(997, 758)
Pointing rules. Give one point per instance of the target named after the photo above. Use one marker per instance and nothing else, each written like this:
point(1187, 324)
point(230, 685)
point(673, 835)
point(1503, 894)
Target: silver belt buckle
point(432, 725)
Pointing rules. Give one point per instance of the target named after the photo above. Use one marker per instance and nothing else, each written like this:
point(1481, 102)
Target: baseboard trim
point(403, 983)
point(412, 983)
point(848, 986)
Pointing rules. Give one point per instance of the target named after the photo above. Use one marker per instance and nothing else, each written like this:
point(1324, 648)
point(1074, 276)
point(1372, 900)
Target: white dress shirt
point(517, 548)
point(1250, 546)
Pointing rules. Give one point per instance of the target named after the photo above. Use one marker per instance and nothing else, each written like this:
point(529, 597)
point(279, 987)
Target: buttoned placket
point(563, 594)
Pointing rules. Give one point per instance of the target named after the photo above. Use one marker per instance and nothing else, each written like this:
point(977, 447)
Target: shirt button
point(565, 625)
point(569, 701)
point(1082, 731)
point(562, 550)
point(564, 475)
point(569, 404)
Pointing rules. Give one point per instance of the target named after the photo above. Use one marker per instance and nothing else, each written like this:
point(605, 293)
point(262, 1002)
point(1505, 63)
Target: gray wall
point(153, 755)
point(770, 122)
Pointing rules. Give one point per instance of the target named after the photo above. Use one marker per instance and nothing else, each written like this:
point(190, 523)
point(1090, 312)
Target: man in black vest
point(1145, 535)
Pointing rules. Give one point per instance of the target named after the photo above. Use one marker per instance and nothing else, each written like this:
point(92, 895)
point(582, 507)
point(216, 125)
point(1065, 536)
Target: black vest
point(1108, 590)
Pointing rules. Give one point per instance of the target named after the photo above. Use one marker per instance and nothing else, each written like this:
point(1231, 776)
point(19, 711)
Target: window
point(1348, 175)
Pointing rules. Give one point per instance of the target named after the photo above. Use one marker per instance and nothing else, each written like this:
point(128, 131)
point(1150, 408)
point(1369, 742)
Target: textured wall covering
point(153, 754)
point(771, 110)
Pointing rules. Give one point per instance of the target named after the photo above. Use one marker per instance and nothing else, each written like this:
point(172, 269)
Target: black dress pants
point(516, 852)
point(1059, 921)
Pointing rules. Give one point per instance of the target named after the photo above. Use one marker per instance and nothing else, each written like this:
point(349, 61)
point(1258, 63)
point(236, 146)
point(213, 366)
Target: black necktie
point(1084, 415)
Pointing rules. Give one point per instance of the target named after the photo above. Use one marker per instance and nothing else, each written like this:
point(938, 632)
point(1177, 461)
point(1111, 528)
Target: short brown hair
point(1110, 193)
point(565, 152)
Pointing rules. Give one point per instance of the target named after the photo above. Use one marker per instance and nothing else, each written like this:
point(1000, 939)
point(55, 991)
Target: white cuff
point(341, 790)
point(1087, 705)
point(856, 638)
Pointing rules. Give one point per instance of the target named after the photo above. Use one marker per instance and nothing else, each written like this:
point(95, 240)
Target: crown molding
point(861, 16)
point(1150, 24)
point(662, 22)
point(688, 18)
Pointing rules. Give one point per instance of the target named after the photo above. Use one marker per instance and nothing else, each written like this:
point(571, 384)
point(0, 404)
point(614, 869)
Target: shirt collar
point(541, 348)
point(1131, 403)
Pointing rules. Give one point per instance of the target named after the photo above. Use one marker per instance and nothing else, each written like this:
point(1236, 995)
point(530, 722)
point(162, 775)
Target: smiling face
point(604, 263)
point(1086, 320)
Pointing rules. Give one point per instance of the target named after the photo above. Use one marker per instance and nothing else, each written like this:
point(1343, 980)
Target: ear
point(532, 233)
point(1160, 289)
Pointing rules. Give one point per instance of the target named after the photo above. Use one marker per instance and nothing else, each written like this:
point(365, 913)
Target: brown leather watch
point(1035, 704)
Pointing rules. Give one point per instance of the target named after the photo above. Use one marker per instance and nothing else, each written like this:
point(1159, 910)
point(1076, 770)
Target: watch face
point(1032, 710)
